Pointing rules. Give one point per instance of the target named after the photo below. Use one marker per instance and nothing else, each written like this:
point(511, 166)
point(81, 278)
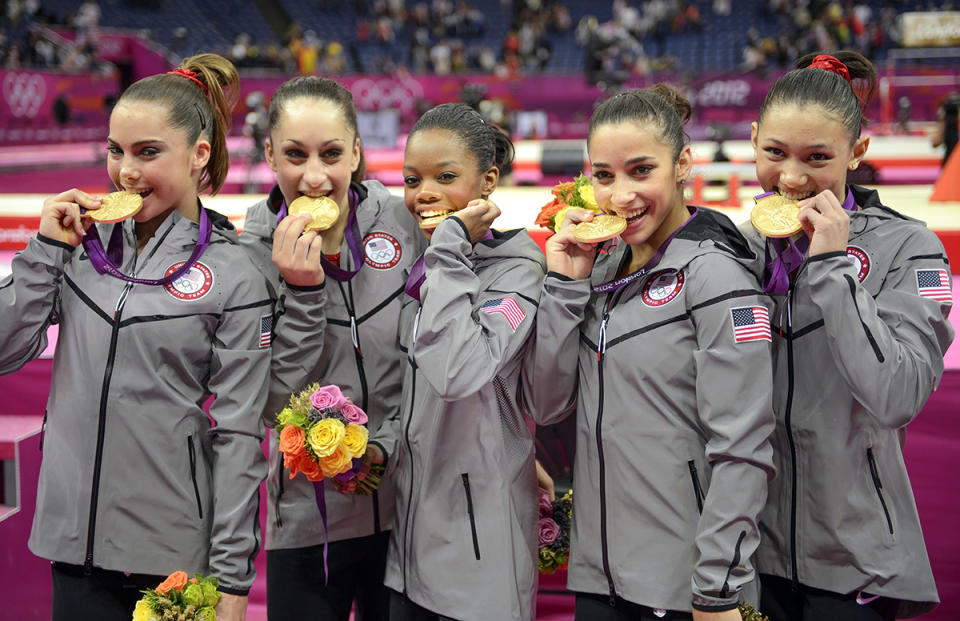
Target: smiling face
point(313, 151)
point(147, 156)
point(636, 177)
point(440, 175)
point(802, 151)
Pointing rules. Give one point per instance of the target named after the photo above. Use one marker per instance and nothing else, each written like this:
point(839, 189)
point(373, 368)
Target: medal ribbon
point(109, 262)
point(788, 256)
point(352, 235)
point(613, 285)
point(322, 506)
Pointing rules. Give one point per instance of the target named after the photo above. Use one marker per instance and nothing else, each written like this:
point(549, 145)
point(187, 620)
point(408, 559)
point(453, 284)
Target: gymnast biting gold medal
point(116, 206)
point(324, 211)
point(775, 216)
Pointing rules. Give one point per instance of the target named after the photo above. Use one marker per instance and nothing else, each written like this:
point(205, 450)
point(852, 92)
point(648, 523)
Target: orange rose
point(292, 463)
point(291, 439)
point(337, 462)
point(176, 581)
point(310, 468)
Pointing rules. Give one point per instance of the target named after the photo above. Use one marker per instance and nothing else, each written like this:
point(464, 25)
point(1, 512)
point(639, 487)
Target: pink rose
point(352, 413)
point(548, 531)
point(546, 507)
point(327, 397)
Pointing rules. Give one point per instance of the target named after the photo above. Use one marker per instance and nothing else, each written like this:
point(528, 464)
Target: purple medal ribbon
point(418, 273)
point(613, 285)
point(789, 255)
point(352, 234)
point(109, 262)
point(322, 506)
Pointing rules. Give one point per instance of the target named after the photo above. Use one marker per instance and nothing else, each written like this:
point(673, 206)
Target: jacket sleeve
point(30, 300)
point(551, 363)
point(300, 322)
point(239, 372)
point(459, 349)
point(889, 349)
point(734, 405)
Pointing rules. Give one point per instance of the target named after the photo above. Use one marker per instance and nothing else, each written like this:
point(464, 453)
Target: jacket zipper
point(601, 350)
point(795, 574)
point(697, 490)
point(101, 430)
point(406, 439)
point(875, 474)
point(470, 513)
point(193, 474)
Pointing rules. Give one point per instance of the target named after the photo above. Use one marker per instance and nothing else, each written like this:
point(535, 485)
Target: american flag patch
point(507, 307)
point(934, 284)
point(750, 323)
point(266, 327)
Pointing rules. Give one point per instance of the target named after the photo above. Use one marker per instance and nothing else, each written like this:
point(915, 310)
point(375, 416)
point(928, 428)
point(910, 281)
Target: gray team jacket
point(134, 476)
point(344, 334)
point(858, 348)
point(465, 540)
point(673, 419)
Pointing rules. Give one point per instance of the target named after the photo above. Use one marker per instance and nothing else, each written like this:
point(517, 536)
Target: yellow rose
point(558, 219)
point(143, 612)
point(589, 200)
point(355, 440)
point(325, 436)
point(336, 463)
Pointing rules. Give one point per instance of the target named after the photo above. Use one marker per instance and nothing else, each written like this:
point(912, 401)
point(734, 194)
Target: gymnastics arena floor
point(933, 439)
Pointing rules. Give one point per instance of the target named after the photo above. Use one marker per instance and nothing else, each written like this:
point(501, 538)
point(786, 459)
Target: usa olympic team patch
point(662, 287)
point(860, 260)
point(193, 285)
point(381, 250)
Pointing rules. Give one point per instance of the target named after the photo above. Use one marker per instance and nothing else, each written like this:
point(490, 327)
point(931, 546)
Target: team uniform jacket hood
point(314, 341)
point(134, 477)
point(858, 349)
point(465, 541)
point(674, 417)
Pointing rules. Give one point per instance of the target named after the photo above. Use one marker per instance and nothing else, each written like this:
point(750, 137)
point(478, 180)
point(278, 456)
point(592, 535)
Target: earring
point(853, 165)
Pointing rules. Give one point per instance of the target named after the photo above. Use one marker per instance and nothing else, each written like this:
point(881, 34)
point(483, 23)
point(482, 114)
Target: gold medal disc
point(434, 221)
point(324, 210)
point(601, 228)
point(117, 206)
point(775, 216)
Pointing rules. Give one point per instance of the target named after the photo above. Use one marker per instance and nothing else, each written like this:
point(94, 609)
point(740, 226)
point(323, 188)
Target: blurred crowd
point(444, 37)
point(25, 42)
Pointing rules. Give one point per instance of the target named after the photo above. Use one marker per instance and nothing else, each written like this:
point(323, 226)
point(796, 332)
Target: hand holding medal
point(61, 218)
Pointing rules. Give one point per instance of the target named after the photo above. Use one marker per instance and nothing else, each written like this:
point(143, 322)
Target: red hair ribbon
point(829, 63)
point(190, 75)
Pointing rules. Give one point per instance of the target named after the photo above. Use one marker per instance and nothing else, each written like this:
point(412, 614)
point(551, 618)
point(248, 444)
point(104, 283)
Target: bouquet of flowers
point(179, 598)
point(577, 193)
point(554, 531)
point(324, 436)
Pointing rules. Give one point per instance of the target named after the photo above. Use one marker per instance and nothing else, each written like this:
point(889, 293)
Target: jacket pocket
point(878, 485)
point(697, 490)
point(193, 474)
point(470, 514)
point(43, 429)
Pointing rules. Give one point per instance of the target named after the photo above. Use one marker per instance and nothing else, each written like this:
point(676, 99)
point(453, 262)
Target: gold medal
point(434, 221)
point(775, 216)
point(601, 228)
point(116, 206)
point(324, 210)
